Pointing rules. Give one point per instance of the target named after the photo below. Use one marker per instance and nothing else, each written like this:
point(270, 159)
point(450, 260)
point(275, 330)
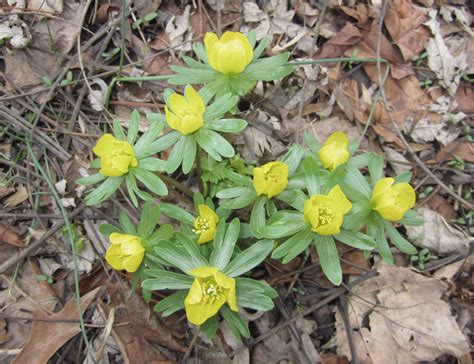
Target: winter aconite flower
point(116, 156)
point(391, 200)
point(210, 290)
point(205, 224)
point(270, 179)
point(125, 252)
point(334, 152)
point(325, 213)
point(185, 113)
point(230, 54)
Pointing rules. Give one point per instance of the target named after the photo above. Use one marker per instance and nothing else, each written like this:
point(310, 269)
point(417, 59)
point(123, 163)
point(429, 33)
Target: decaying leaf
point(10, 236)
point(97, 97)
point(40, 347)
point(15, 32)
point(408, 322)
point(437, 235)
point(46, 6)
point(17, 198)
point(448, 68)
point(177, 30)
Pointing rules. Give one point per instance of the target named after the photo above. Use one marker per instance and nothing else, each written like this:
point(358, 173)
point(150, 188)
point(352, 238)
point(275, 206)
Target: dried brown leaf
point(17, 198)
point(10, 236)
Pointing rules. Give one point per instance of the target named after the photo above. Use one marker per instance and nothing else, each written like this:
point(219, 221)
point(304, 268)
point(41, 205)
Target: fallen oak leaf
point(40, 347)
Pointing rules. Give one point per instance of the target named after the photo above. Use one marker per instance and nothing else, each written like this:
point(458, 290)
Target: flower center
point(325, 215)
point(211, 290)
point(271, 177)
point(201, 225)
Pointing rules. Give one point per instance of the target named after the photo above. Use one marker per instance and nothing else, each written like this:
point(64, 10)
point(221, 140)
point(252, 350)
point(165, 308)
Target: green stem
point(199, 169)
point(144, 78)
point(122, 40)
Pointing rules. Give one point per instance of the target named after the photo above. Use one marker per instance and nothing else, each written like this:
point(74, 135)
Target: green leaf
point(239, 179)
point(192, 76)
point(171, 304)
point(235, 322)
point(174, 255)
point(227, 125)
point(126, 224)
point(376, 230)
point(293, 246)
point(411, 218)
point(257, 52)
point(362, 160)
point(214, 141)
point(176, 156)
point(189, 153)
point(164, 232)
point(254, 301)
point(399, 241)
point(224, 247)
point(118, 131)
point(133, 127)
point(312, 176)
point(209, 328)
point(132, 188)
point(252, 285)
point(329, 258)
point(354, 185)
point(192, 248)
point(284, 227)
point(107, 229)
point(154, 117)
point(163, 143)
point(95, 163)
point(239, 202)
point(220, 106)
point(148, 219)
point(151, 181)
point(198, 48)
point(357, 217)
point(166, 280)
point(257, 216)
point(141, 146)
point(356, 240)
point(249, 258)
point(292, 158)
point(92, 179)
point(311, 142)
point(376, 168)
point(176, 212)
point(205, 142)
point(404, 177)
point(295, 199)
point(259, 66)
point(104, 191)
point(194, 64)
point(152, 164)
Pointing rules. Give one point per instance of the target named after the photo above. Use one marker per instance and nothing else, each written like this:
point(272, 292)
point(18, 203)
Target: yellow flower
point(205, 224)
point(125, 252)
point(325, 213)
point(184, 113)
point(209, 291)
point(270, 179)
point(334, 152)
point(116, 156)
point(230, 54)
point(392, 201)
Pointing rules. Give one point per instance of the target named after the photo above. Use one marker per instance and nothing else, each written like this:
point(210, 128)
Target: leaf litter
point(402, 313)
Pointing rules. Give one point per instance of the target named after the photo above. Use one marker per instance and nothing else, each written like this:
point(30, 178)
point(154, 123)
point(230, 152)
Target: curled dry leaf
point(408, 320)
point(97, 97)
point(15, 32)
point(437, 235)
point(448, 68)
point(40, 347)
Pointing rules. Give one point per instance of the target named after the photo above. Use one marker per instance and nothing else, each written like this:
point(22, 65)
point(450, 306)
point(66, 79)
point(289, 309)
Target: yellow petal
point(246, 44)
point(132, 247)
point(195, 293)
point(332, 156)
point(190, 123)
point(382, 186)
point(207, 236)
point(108, 170)
point(178, 104)
point(132, 262)
point(104, 144)
point(197, 314)
point(121, 163)
point(270, 179)
point(337, 139)
point(171, 119)
point(406, 196)
point(391, 213)
point(203, 272)
point(340, 201)
point(232, 58)
point(195, 102)
point(258, 180)
point(206, 212)
point(224, 281)
point(231, 297)
point(118, 238)
point(113, 257)
point(210, 41)
point(333, 228)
